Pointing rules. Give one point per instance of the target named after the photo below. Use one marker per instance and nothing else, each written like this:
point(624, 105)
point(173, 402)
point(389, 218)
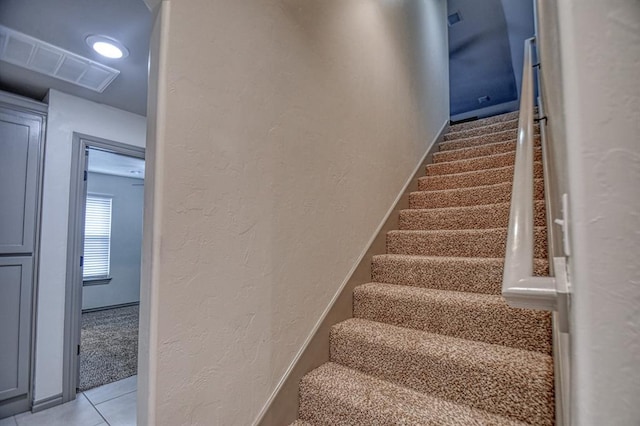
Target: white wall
point(285, 130)
point(598, 44)
point(67, 114)
point(126, 241)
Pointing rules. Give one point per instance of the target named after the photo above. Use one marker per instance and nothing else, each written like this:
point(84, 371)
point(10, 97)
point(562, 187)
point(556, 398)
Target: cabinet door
point(15, 325)
point(19, 153)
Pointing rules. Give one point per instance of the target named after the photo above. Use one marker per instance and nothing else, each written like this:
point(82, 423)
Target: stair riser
point(490, 322)
point(486, 243)
point(470, 275)
point(479, 141)
point(471, 179)
point(491, 128)
point(487, 132)
point(498, 387)
point(476, 151)
point(475, 164)
point(480, 217)
point(481, 195)
point(507, 135)
point(484, 121)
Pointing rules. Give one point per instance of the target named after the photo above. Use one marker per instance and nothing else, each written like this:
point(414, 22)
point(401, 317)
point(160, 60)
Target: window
point(97, 237)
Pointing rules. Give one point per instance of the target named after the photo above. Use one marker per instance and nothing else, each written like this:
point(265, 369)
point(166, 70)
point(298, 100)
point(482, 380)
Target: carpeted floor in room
point(109, 346)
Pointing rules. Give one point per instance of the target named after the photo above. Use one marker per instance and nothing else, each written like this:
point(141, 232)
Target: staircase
point(432, 342)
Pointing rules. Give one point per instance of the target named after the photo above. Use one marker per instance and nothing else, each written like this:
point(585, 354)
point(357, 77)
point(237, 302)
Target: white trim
point(562, 372)
point(151, 259)
point(340, 289)
point(24, 103)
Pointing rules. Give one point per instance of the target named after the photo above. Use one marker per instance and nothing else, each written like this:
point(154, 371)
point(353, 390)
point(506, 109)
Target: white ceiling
point(109, 163)
point(66, 24)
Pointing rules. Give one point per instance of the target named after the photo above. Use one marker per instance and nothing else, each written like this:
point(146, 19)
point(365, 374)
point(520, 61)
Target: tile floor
point(113, 404)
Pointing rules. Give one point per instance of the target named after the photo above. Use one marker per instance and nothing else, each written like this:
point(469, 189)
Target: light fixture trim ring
point(107, 47)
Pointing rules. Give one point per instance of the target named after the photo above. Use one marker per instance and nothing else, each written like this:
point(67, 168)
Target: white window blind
point(97, 237)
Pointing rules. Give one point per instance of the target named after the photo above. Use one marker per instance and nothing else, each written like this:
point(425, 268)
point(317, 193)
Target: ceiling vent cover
point(29, 52)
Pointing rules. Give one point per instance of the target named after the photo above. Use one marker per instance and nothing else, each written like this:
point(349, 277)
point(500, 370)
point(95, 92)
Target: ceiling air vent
point(29, 52)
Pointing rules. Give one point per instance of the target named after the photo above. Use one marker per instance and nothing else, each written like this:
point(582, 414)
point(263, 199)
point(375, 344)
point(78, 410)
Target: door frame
point(75, 245)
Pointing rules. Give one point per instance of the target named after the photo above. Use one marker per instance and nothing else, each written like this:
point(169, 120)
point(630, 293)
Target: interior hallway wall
point(284, 132)
point(520, 26)
point(590, 60)
point(67, 114)
point(126, 241)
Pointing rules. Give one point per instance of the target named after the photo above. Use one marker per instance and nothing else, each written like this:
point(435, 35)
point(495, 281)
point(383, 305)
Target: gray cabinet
point(19, 153)
point(15, 322)
point(21, 138)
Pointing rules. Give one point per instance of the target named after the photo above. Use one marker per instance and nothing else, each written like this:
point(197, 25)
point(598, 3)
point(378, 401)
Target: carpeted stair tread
point(477, 131)
point(469, 217)
point(301, 423)
point(481, 317)
point(477, 163)
point(475, 275)
point(459, 242)
point(474, 196)
point(473, 178)
point(474, 151)
point(505, 381)
point(483, 122)
point(505, 136)
point(335, 395)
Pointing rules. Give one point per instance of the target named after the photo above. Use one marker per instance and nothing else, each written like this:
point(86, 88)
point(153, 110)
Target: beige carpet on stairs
point(432, 341)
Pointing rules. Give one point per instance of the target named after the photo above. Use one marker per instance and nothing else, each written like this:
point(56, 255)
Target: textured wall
point(599, 46)
point(285, 130)
point(126, 241)
point(67, 114)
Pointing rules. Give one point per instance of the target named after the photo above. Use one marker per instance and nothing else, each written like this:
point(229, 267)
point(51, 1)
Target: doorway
point(103, 280)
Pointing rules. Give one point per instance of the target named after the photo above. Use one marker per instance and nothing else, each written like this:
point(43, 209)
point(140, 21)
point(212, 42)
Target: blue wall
point(480, 52)
point(126, 241)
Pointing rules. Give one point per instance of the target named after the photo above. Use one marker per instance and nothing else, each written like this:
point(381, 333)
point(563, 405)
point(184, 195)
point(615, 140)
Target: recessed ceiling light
point(107, 47)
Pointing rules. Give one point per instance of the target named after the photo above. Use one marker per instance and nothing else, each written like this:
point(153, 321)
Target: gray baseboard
point(104, 308)
point(45, 403)
point(13, 406)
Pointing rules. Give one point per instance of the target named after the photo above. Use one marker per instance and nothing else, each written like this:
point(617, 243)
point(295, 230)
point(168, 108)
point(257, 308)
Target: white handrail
point(520, 287)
